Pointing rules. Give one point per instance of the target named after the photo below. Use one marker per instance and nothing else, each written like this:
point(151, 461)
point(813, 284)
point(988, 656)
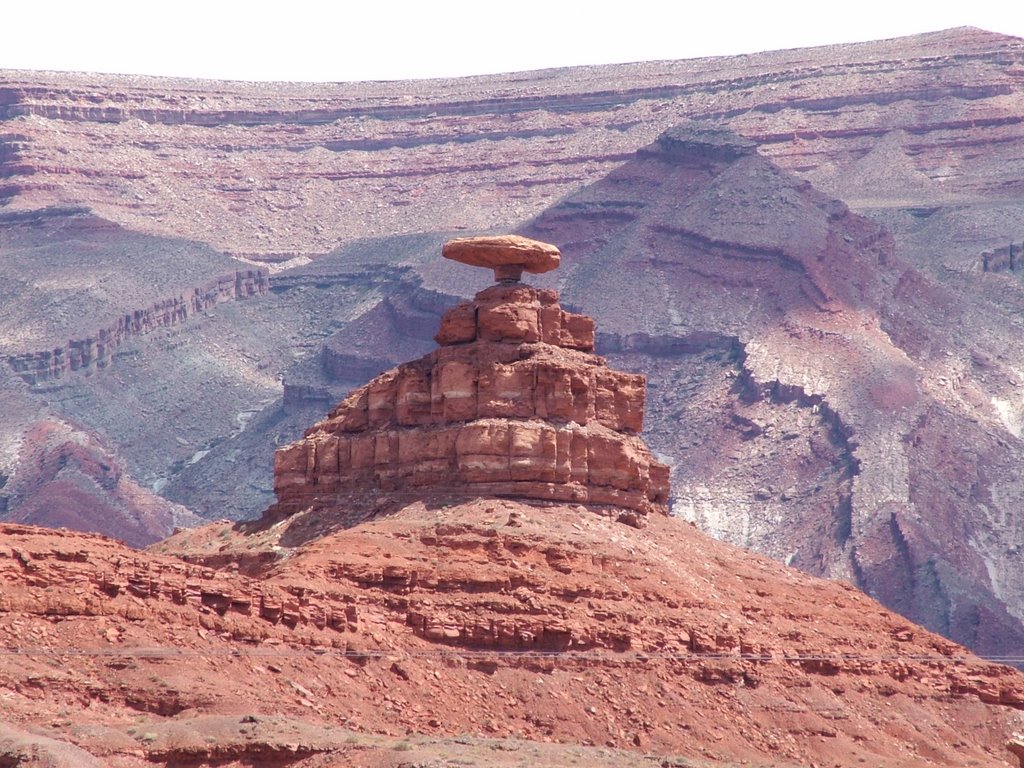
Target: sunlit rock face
point(513, 403)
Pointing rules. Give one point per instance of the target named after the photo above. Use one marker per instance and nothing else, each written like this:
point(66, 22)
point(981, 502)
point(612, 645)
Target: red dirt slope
point(489, 618)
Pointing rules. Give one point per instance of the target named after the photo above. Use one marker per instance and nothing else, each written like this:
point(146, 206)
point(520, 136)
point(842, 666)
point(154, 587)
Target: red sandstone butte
point(514, 403)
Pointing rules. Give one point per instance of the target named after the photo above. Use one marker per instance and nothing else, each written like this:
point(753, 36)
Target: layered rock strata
point(552, 625)
point(513, 403)
point(96, 351)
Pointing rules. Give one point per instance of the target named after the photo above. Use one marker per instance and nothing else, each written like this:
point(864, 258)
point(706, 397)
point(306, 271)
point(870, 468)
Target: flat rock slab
point(508, 255)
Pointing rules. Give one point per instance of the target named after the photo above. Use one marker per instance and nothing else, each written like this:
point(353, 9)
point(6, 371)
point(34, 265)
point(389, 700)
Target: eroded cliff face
point(514, 403)
point(96, 351)
point(823, 448)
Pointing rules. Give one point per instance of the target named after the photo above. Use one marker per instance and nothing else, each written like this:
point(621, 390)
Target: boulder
point(508, 255)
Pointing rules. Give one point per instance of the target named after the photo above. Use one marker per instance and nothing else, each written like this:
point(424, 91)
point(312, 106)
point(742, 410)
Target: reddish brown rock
point(508, 255)
point(139, 658)
point(513, 403)
point(660, 626)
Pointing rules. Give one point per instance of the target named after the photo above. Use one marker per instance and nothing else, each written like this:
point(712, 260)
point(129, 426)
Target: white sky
point(394, 39)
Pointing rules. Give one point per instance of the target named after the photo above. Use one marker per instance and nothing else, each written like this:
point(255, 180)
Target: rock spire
point(514, 403)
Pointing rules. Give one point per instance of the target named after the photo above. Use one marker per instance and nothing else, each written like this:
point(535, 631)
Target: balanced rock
point(508, 255)
point(514, 403)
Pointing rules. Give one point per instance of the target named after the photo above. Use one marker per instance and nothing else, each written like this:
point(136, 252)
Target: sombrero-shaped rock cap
point(508, 255)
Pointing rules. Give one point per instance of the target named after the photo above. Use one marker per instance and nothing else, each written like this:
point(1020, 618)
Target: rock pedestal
point(513, 403)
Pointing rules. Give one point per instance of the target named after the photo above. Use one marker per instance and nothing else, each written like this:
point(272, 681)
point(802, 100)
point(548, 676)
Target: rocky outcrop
point(513, 403)
point(659, 625)
point(96, 351)
point(1009, 258)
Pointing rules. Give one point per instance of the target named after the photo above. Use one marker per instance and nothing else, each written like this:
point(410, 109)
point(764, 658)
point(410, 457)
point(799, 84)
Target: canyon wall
point(97, 351)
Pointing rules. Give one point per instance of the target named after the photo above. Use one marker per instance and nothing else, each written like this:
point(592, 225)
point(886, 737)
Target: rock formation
point(921, 134)
point(514, 403)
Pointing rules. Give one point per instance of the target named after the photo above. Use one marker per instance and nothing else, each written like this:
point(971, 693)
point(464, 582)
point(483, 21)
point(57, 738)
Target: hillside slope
point(420, 626)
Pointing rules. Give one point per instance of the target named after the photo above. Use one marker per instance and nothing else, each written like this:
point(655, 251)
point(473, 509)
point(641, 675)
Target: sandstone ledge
point(487, 457)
